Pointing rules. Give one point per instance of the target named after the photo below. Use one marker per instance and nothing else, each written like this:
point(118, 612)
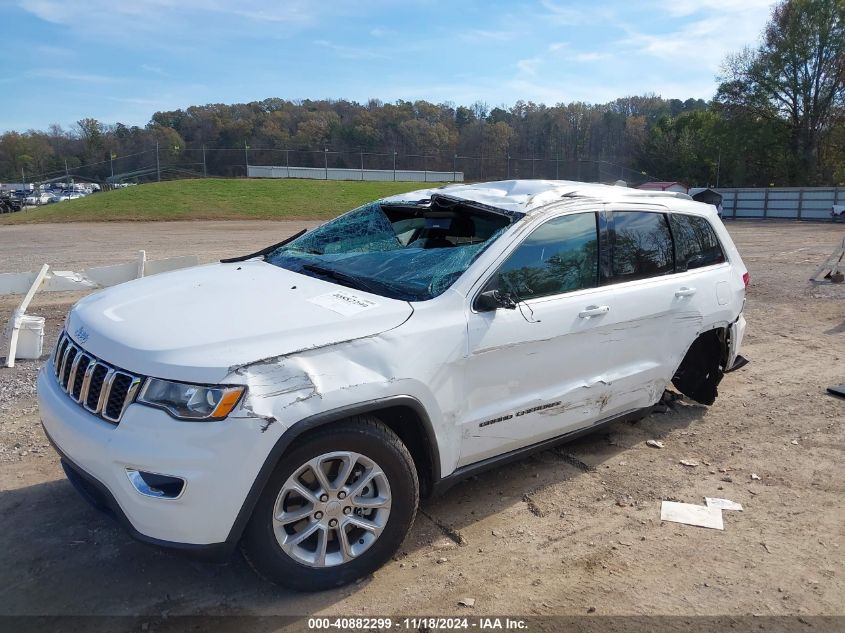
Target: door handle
point(684, 291)
point(591, 311)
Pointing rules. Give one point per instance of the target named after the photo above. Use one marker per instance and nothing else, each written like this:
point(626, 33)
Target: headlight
point(190, 402)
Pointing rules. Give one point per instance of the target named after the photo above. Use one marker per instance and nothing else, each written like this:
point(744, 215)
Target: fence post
point(287, 161)
point(455, 168)
point(800, 201)
point(394, 165)
point(158, 165)
point(246, 158)
point(204, 167)
point(765, 203)
point(362, 164)
point(326, 161)
point(509, 165)
point(425, 168)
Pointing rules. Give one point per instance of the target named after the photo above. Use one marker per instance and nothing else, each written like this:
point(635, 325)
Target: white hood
point(196, 324)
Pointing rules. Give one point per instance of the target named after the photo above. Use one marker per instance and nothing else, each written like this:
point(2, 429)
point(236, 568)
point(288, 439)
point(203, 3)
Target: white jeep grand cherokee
point(300, 400)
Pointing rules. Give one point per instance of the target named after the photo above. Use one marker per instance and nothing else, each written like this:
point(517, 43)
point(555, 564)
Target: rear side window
point(640, 246)
point(696, 244)
point(559, 256)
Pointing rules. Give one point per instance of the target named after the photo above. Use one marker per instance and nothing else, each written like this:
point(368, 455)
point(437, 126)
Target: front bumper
point(219, 462)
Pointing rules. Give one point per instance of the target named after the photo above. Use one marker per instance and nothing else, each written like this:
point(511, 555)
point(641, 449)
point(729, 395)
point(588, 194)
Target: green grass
point(216, 199)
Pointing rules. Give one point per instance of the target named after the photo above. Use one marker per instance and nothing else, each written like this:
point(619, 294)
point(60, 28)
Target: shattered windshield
point(403, 251)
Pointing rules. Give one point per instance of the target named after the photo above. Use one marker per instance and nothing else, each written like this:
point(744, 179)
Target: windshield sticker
point(342, 302)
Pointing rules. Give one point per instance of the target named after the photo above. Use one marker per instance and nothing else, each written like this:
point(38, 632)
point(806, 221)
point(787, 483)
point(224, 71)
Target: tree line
point(777, 118)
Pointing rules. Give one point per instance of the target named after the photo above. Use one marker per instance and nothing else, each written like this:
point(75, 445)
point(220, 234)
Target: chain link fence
point(170, 163)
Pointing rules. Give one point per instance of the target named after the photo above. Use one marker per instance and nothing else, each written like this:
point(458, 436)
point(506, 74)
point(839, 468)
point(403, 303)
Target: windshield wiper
point(349, 280)
point(263, 251)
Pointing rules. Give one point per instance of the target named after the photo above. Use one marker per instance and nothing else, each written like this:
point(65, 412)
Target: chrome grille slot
point(80, 366)
point(102, 389)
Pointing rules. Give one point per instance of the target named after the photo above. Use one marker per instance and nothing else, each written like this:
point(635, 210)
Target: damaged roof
point(523, 196)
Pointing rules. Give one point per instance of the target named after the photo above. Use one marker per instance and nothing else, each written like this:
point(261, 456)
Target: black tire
point(362, 434)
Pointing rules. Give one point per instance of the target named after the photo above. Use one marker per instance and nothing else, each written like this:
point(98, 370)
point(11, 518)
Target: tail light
point(746, 279)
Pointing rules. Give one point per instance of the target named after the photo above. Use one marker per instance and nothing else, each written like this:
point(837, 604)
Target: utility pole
point(204, 168)
point(158, 165)
point(718, 167)
point(111, 164)
point(509, 165)
point(425, 168)
point(455, 168)
point(326, 161)
point(394, 165)
point(287, 161)
point(362, 164)
point(67, 175)
point(246, 158)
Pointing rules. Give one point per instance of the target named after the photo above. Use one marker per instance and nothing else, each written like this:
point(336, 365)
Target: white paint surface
point(343, 302)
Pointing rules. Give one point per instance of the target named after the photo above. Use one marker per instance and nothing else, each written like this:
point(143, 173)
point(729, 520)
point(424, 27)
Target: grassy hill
point(216, 199)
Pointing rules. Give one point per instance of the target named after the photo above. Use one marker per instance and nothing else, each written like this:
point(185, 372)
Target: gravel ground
point(570, 531)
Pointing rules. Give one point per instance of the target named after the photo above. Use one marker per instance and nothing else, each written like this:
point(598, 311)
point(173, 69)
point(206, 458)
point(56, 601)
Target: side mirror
point(490, 300)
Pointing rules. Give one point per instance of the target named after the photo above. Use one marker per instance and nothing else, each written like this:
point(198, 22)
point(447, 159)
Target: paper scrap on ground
point(342, 302)
point(722, 504)
point(690, 514)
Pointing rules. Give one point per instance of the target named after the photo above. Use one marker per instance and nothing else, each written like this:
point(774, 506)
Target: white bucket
point(30, 337)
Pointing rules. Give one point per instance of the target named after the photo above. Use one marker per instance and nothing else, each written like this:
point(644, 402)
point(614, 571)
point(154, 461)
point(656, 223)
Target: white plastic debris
point(655, 443)
point(691, 463)
point(722, 504)
point(690, 514)
point(467, 602)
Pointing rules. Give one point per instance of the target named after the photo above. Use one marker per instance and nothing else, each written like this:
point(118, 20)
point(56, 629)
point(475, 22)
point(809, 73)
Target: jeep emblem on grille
point(81, 334)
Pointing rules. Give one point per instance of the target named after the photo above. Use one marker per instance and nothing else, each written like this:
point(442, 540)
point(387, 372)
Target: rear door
point(660, 310)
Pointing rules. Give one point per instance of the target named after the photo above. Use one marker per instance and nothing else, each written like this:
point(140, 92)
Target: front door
point(540, 369)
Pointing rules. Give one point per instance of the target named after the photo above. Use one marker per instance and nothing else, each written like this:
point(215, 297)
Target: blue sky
point(122, 60)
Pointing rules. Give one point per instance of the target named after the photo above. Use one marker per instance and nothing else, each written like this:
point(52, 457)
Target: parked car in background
point(37, 198)
point(300, 400)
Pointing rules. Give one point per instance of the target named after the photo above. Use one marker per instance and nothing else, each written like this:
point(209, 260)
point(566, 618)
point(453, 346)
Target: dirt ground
point(568, 531)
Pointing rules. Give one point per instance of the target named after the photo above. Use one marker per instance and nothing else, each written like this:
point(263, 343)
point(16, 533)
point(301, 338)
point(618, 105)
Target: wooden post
point(765, 203)
point(800, 201)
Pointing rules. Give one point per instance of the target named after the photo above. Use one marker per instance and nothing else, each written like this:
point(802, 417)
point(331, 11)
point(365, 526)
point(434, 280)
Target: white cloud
point(590, 57)
point(681, 8)
point(705, 41)
point(169, 16)
point(529, 66)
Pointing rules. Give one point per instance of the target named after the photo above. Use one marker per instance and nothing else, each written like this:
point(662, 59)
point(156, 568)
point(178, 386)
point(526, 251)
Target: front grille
point(101, 388)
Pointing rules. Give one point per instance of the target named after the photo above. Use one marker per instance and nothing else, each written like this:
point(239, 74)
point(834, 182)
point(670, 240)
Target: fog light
point(155, 485)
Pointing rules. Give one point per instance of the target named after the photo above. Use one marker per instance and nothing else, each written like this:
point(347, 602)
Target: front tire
point(336, 508)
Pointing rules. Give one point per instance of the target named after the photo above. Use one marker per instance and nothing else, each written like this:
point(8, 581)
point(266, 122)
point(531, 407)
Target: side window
point(640, 246)
point(696, 244)
point(559, 256)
